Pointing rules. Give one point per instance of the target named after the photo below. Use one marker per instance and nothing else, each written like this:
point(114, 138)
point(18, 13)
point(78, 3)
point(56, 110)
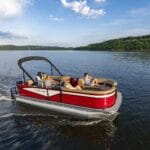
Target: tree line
point(140, 43)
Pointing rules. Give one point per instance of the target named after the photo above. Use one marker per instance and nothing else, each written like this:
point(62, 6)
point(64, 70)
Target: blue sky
point(71, 22)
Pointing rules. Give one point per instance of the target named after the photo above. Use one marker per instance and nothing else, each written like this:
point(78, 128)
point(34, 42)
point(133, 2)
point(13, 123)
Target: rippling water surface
point(23, 127)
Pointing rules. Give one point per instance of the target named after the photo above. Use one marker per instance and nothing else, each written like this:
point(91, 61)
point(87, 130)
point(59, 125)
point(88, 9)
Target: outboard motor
point(13, 92)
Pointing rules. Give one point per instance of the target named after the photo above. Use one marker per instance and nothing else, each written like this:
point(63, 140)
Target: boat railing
point(31, 58)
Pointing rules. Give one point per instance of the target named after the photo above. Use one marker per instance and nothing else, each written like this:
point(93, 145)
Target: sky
point(71, 22)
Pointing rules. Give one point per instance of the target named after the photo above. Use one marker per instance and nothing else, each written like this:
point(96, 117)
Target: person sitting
point(39, 79)
point(89, 80)
point(44, 81)
point(49, 82)
point(72, 84)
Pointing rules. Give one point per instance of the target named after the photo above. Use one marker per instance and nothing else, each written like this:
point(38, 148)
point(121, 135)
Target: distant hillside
point(140, 43)
point(31, 47)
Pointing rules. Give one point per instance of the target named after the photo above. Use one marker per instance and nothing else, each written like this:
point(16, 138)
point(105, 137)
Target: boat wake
point(79, 122)
point(5, 98)
point(9, 115)
point(5, 116)
point(59, 120)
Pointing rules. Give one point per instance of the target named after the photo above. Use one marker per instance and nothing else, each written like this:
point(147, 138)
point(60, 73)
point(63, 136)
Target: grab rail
point(30, 58)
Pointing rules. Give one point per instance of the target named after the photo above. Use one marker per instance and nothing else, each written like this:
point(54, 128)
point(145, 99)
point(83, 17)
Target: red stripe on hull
point(91, 102)
point(23, 92)
point(98, 103)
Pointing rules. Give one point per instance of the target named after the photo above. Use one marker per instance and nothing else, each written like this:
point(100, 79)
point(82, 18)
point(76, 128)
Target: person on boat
point(72, 84)
point(39, 79)
point(44, 80)
point(50, 83)
point(69, 86)
point(89, 80)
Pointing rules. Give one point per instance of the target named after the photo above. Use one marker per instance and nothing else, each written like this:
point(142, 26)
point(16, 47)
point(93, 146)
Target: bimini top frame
point(30, 58)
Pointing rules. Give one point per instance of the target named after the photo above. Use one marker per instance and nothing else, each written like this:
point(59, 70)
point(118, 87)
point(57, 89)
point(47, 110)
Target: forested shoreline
point(139, 43)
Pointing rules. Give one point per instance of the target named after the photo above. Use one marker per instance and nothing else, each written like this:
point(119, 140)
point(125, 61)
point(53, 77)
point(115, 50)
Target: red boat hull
point(78, 99)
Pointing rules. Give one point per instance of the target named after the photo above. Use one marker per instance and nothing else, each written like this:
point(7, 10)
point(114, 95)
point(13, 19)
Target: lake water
point(23, 127)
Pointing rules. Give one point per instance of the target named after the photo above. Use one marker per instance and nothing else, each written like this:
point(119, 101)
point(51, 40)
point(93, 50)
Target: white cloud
point(9, 36)
point(81, 7)
point(99, 1)
point(58, 19)
point(136, 32)
point(11, 8)
point(140, 11)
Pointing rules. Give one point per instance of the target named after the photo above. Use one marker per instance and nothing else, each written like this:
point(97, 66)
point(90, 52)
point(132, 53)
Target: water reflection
point(95, 136)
